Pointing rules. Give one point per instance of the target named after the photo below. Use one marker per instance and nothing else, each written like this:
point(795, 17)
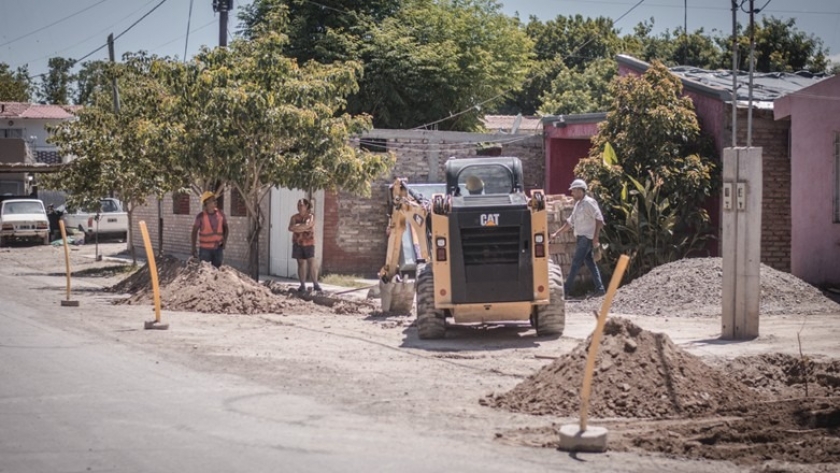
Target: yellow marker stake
point(596, 339)
point(67, 302)
point(150, 257)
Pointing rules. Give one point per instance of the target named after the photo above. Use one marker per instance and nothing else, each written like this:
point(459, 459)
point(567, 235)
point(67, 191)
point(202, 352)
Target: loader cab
point(496, 175)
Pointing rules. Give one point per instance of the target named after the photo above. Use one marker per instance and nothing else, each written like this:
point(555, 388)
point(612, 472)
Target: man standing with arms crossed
point(586, 221)
point(302, 226)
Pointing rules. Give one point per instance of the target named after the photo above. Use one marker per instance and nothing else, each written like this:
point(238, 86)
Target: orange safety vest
point(210, 238)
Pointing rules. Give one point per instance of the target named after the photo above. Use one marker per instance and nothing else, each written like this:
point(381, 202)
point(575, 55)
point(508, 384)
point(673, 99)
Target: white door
point(283, 206)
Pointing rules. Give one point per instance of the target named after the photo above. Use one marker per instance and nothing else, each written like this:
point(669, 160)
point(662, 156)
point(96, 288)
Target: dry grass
point(344, 280)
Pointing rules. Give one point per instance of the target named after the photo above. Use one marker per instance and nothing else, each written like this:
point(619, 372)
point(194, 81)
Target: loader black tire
point(430, 321)
point(550, 319)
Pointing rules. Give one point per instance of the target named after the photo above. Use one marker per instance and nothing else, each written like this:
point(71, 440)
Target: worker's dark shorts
point(303, 252)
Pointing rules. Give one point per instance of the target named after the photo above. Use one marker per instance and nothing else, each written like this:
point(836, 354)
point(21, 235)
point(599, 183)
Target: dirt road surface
point(375, 366)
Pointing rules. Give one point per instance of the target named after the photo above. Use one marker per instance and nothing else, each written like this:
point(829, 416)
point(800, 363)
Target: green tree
point(55, 85)
point(423, 60)
point(565, 45)
point(124, 153)
point(580, 92)
point(650, 171)
point(15, 86)
point(91, 78)
point(253, 118)
point(780, 47)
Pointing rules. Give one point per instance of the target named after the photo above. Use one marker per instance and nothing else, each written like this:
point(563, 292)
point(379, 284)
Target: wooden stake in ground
point(578, 437)
point(150, 258)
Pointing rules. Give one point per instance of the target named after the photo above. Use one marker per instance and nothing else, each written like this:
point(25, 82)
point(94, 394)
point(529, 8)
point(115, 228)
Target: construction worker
point(475, 186)
point(211, 231)
point(586, 221)
point(302, 226)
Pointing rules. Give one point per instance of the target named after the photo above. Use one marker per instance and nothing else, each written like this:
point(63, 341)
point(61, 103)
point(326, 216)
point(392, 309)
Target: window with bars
point(237, 204)
point(837, 177)
point(181, 203)
point(11, 133)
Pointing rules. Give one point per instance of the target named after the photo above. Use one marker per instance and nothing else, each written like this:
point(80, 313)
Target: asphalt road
point(70, 402)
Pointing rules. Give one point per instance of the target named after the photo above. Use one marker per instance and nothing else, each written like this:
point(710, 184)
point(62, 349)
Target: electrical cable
point(52, 24)
point(115, 38)
point(56, 53)
point(199, 28)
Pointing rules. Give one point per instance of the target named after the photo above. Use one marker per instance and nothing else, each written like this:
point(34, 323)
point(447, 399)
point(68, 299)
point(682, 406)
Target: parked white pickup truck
point(23, 219)
point(112, 220)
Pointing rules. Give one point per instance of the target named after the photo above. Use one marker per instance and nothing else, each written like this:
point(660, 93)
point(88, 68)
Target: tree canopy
point(15, 86)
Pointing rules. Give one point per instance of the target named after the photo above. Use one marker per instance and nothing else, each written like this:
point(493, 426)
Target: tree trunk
point(129, 209)
point(254, 229)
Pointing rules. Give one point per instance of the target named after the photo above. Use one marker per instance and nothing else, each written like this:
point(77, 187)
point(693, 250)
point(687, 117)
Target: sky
point(31, 31)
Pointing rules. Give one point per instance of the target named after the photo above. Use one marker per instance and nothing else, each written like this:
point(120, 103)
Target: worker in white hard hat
point(210, 230)
point(586, 220)
point(474, 184)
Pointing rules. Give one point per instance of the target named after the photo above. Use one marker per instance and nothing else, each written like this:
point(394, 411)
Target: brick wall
point(354, 227)
point(773, 137)
point(177, 228)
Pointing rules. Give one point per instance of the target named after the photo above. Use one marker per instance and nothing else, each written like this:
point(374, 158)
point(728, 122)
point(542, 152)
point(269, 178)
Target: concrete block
point(593, 439)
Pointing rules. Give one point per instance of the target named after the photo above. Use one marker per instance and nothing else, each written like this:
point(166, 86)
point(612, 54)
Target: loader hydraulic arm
point(407, 210)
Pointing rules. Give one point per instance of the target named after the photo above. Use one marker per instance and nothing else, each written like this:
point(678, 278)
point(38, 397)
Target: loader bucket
point(397, 297)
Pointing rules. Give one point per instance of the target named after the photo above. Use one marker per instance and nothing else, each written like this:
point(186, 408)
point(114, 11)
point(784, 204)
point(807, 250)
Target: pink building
point(814, 117)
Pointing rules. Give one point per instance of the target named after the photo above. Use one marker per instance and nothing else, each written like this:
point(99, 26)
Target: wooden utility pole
point(222, 7)
point(114, 78)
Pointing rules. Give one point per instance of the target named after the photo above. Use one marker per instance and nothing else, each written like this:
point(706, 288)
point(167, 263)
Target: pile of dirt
point(693, 287)
point(800, 431)
point(784, 376)
point(168, 268)
point(199, 287)
point(638, 374)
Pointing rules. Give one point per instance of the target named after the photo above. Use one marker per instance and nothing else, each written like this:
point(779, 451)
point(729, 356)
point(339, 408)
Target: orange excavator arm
point(407, 210)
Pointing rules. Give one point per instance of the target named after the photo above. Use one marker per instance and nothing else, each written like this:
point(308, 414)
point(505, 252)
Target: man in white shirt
point(586, 221)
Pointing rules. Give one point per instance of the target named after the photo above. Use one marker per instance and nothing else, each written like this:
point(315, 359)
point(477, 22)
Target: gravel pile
point(693, 287)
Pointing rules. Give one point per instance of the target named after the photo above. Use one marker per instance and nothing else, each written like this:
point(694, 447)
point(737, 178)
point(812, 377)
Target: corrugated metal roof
point(767, 87)
point(527, 125)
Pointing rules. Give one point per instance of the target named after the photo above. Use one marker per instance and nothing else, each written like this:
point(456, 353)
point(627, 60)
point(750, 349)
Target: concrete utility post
point(741, 219)
point(222, 7)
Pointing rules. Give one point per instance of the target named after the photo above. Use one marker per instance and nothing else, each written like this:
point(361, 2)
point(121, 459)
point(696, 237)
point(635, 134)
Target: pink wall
point(815, 238)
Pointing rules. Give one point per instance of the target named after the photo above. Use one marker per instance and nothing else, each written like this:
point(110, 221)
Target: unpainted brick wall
point(354, 227)
point(177, 228)
point(773, 137)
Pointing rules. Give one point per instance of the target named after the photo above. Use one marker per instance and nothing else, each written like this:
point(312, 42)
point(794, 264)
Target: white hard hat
point(578, 184)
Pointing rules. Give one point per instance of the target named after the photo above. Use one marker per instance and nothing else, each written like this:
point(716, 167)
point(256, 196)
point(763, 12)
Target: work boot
point(317, 288)
point(302, 288)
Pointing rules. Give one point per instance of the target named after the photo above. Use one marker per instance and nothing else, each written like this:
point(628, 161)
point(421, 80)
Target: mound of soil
point(168, 268)
point(693, 287)
point(638, 374)
point(782, 376)
point(199, 287)
point(800, 431)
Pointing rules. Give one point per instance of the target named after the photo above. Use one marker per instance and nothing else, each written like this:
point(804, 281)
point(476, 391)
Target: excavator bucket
point(397, 296)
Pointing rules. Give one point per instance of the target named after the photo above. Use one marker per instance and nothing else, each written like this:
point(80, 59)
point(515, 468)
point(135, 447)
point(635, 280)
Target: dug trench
point(655, 397)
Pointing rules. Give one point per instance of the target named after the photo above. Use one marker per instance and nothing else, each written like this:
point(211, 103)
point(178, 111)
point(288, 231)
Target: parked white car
point(110, 220)
point(23, 219)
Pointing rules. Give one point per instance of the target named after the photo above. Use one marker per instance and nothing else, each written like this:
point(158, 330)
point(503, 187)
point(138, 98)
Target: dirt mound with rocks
point(783, 376)
point(693, 287)
point(168, 268)
point(196, 286)
point(638, 374)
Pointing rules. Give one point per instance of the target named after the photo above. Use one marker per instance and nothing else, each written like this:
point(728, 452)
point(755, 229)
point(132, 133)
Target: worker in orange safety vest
point(210, 230)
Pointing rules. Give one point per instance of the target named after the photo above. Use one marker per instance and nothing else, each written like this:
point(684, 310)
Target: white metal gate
point(283, 206)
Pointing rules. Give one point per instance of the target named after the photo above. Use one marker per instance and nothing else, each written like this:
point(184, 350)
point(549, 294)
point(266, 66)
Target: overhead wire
point(115, 38)
point(52, 24)
point(187, 41)
point(55, 53)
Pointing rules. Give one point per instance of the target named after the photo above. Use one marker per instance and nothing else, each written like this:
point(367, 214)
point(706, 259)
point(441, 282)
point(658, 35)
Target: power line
point(52, 24)
point(181, 36)
point(97, 34)
point(115, 38)
point(187, 41)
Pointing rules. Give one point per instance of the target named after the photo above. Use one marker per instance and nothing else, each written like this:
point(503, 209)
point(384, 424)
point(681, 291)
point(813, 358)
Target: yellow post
point(67, 302)
point(150, 257)
point(596, 339)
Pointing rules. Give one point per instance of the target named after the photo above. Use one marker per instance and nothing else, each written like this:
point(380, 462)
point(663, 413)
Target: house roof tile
point(34, 110)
